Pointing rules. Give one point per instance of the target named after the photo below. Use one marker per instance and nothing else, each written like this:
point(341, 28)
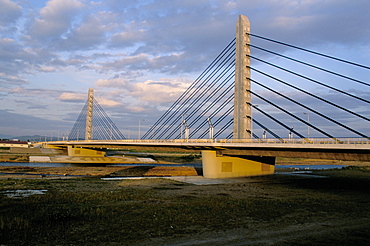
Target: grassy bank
point(284, 209)
point(13, 158)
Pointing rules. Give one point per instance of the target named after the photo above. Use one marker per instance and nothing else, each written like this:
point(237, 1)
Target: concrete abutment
point(218, 166)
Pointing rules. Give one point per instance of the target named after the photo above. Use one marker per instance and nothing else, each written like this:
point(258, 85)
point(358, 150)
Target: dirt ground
point(104, 170)
point(329, 207)
point(95, 171)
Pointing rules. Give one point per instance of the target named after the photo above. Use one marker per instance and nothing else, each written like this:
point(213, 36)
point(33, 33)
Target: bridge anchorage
point(219, 104)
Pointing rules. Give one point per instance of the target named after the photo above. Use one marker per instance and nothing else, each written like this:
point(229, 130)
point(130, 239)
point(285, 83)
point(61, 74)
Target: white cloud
point(72, 97)
point(130, 35)
point(47, 69)
point(108, 103)
point(166, 90)
point(55, 19)
point(111, 83)
point(136, 109)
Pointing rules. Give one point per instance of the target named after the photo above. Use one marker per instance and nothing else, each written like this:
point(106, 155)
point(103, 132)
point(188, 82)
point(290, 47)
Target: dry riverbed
point(322, 208)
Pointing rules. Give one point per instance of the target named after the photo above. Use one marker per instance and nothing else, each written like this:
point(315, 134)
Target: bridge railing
point(306, 141)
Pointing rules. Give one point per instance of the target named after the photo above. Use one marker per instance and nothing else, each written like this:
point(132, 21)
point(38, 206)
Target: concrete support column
point(242, 100)
point(89, 114)
point(215, 166)
point(84, 152)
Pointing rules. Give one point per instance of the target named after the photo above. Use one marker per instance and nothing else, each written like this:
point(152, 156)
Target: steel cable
point(310, 51)
point(310, 65)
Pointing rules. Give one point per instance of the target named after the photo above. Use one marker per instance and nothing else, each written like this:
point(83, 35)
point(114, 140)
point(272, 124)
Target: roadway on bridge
point(335, 149)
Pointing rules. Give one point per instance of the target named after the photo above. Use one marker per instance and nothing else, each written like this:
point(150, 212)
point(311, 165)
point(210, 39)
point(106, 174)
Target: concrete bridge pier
point(84, 152)
point(219, 166)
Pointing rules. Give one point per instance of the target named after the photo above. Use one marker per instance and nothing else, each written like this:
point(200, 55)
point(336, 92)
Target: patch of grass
point(94, 212)
point(177, 159)
point(188, 158)
point(135, 212)
point(358, 168)
point(14, 158)
point(24, 184)
point(137, 171)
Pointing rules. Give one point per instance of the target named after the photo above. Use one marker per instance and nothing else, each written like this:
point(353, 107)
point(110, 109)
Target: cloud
point(111, 83)
point(129, 36)
point(141, 55)
point(127, 62)
point(108, 103)
point(16, 61)
point(312, 23)
point(175, 63)
point(10, 49)
point(6, 80)
point(47, 69)
point(72, 97)
point(136, 109)
point(166, 90)
point(77, 98)
point(10, 12)
point(89, 34)
point(55, 19)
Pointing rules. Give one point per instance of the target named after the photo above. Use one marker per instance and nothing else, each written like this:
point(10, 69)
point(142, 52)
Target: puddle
point(22, 193)
point(197, 180)
point(310, 167)
point(302, 174)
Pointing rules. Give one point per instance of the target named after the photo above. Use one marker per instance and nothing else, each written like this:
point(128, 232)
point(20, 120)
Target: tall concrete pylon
point(242, 99)
point(216, 164)
point(89, 114)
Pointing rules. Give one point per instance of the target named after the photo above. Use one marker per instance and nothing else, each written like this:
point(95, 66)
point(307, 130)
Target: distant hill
point(2, 136)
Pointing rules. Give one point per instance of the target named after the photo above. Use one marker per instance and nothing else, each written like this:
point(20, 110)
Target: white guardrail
point(268, 140)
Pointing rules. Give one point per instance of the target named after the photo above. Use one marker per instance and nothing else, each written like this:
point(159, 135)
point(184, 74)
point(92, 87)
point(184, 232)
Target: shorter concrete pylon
point(218, 166)
point(89, 114)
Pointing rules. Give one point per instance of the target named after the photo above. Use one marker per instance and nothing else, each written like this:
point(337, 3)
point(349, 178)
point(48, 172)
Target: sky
point(140, 55)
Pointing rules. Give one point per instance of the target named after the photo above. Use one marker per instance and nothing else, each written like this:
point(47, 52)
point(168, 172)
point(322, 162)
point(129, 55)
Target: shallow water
point(48, 164)
point(197, 165)
point(311, 167)
point(22, 193)
point(157, 165)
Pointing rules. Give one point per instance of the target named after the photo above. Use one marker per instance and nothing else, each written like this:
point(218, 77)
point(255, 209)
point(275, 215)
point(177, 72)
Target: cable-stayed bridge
point(242, 117)
point(292, 111)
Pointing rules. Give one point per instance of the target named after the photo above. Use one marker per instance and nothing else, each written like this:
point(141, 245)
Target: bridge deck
point(335, 149)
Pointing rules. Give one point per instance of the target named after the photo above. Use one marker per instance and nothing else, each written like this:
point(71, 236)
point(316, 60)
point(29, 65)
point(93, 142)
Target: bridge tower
point(89, 114)
point(94, 123)
point(242, 100)
point(217, 164)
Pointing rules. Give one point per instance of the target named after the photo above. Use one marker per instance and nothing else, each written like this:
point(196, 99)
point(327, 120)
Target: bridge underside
point(308, 153)
point(344, 155)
